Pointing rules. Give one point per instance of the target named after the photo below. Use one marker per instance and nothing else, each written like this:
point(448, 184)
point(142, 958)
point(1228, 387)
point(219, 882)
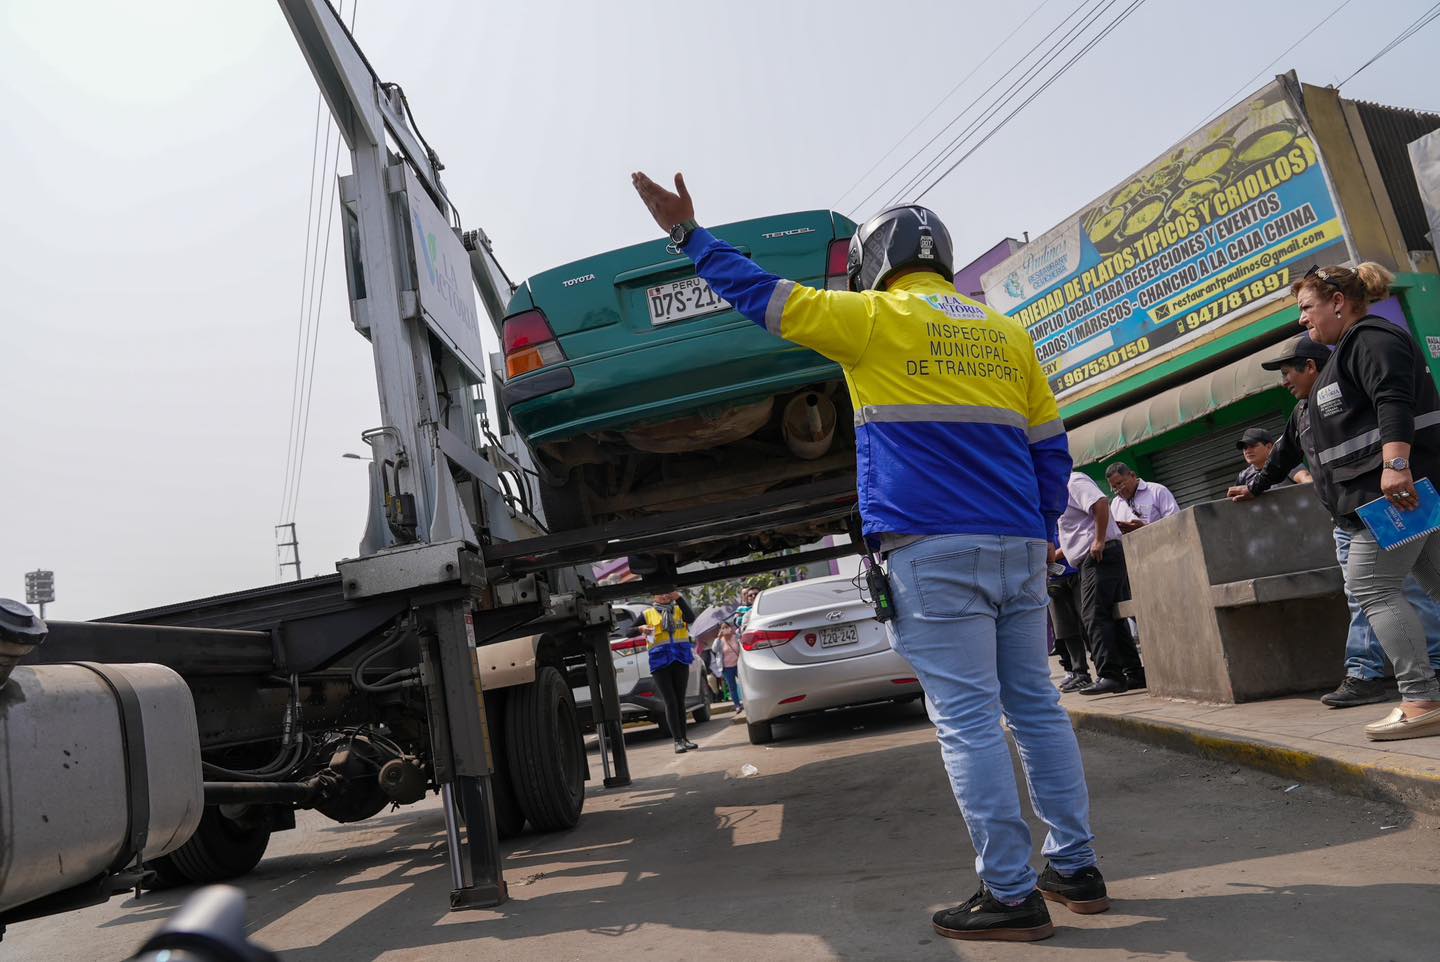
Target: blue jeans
point(970, 620)
point(732, 684)
point(1364, 658)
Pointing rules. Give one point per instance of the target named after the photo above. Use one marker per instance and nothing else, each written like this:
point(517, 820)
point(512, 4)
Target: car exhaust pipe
point(808, 425)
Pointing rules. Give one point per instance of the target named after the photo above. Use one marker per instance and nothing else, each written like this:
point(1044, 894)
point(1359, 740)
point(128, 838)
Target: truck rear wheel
point(221, 848)
point(545, 751)
point(509, 820)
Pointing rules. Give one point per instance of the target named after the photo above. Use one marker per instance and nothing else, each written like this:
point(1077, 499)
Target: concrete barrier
point(1238, 602)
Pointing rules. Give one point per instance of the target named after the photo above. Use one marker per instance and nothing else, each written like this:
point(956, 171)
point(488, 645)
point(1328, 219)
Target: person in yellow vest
point(962, 471)
point(667, 627)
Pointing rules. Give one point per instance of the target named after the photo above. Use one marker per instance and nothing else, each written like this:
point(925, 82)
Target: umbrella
point(707, 626)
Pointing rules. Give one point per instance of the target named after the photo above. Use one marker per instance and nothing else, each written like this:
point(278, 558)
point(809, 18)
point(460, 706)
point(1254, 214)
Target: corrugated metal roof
point(1391, 129)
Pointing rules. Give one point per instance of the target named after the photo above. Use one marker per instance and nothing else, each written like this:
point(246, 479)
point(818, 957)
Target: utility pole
point(40, 589)
point(293, 544)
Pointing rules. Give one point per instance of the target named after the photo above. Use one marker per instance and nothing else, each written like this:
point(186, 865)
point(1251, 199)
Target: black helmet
point(899, 238)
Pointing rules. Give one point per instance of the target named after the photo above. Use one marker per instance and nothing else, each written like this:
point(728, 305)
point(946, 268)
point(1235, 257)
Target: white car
point(814, 645)
point(631, 658)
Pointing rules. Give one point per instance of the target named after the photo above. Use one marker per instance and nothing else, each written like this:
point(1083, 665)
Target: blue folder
point(1393, 527)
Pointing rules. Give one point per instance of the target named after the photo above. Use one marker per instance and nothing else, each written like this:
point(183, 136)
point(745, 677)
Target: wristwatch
point(1398, 464)
point(680, 233)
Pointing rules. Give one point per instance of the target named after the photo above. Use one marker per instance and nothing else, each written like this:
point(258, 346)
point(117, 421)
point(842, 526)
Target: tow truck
point(440, 658)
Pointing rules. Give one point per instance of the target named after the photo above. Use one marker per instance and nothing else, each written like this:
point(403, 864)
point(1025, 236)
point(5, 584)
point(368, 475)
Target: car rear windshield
point(805, 594)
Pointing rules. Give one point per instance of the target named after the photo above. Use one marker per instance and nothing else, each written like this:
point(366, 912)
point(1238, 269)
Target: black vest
point(1344, 449)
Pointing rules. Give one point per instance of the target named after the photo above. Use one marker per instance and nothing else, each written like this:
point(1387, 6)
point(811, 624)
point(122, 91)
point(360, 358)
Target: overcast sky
point(157, 157)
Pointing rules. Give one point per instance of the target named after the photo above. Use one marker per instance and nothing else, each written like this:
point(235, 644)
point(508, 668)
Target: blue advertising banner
point(1182, 251)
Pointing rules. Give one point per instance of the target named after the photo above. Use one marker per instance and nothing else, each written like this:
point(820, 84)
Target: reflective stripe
point(946, 413)
point(776, 307)
point(1372, 438)
point(1046, 431)
point(1367, 440)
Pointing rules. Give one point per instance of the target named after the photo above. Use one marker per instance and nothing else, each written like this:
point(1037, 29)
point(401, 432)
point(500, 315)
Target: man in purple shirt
point(1137, 502)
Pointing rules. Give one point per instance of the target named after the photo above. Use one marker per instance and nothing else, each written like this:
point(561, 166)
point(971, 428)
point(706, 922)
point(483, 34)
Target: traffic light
point(39, 587)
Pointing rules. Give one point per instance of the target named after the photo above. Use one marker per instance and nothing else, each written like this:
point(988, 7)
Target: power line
point(939, 103)
point(308, 324)
point(1266, 69)
point(1124, 15)
point(1406, 34)
point(1075, 32)
point(300, 323)
point(968, 107)
point(313, 299)
point(319, 305)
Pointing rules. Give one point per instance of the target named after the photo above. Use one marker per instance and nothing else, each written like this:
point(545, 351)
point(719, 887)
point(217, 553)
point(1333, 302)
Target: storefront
point(1153, 307)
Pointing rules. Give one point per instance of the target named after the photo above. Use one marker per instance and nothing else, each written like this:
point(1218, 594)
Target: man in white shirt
point(1137, 502)
point(1090, 541)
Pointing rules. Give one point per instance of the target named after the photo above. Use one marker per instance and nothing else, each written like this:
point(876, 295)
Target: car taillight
point(904, 681)
point(791, 700)
point(627, 646)
point(529, 343)
point(755, 640)
point(837, 266)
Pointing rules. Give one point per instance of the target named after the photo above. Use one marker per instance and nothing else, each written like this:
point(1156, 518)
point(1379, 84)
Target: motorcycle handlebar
point(209, 927)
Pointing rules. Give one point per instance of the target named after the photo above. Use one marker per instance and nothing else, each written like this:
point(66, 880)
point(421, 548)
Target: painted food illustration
point(1103, 227)
point(1145, 212)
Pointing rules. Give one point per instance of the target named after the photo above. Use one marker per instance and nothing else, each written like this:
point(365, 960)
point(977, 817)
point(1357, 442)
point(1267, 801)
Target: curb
point(1412, 790)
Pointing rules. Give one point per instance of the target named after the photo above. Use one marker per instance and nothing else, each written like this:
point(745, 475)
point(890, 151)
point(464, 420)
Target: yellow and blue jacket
point(956, 428)
point(673, 646)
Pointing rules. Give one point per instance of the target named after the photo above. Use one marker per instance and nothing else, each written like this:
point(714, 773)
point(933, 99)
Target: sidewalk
point(1295, 737)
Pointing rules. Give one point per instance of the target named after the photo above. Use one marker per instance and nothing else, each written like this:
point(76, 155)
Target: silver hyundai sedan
point(813, 645)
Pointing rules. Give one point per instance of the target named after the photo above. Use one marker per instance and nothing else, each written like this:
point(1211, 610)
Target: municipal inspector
point(962, 464)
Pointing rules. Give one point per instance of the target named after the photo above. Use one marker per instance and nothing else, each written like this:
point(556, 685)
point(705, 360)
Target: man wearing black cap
point(1368, 678)
point(1256, 444)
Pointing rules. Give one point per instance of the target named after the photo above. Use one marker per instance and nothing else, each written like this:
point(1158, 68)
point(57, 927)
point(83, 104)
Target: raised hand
point(667, 208)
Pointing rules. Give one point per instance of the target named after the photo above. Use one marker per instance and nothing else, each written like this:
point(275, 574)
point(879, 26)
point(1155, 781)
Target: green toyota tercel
point(640, 391)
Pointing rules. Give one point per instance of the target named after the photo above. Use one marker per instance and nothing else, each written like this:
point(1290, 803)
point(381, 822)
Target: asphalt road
point(839, 848)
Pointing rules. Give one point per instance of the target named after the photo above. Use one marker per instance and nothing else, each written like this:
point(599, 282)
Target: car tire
point(702, 713)
point(220, 849)
point(546, 751)
point(760, 732)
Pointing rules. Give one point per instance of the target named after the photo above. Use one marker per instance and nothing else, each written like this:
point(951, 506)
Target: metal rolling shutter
point(1201, 468)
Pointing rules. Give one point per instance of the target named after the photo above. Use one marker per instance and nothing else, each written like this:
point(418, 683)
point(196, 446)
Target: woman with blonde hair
point(1373, 428)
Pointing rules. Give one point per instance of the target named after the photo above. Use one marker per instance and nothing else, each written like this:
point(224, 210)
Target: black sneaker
point(689, 744)
point(1357, 691)
point(1105, 686)
point(1074, 680)
point(983, 917)
point(680, 748)
point(1135, 681)
point(1082, 892)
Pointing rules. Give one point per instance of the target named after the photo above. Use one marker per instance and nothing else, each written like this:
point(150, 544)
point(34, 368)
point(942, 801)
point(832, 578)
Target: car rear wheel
point(702, 713)
point(760, 732)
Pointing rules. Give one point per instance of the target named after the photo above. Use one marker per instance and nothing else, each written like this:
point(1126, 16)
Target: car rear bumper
point(766, 681)
point(604, 394)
